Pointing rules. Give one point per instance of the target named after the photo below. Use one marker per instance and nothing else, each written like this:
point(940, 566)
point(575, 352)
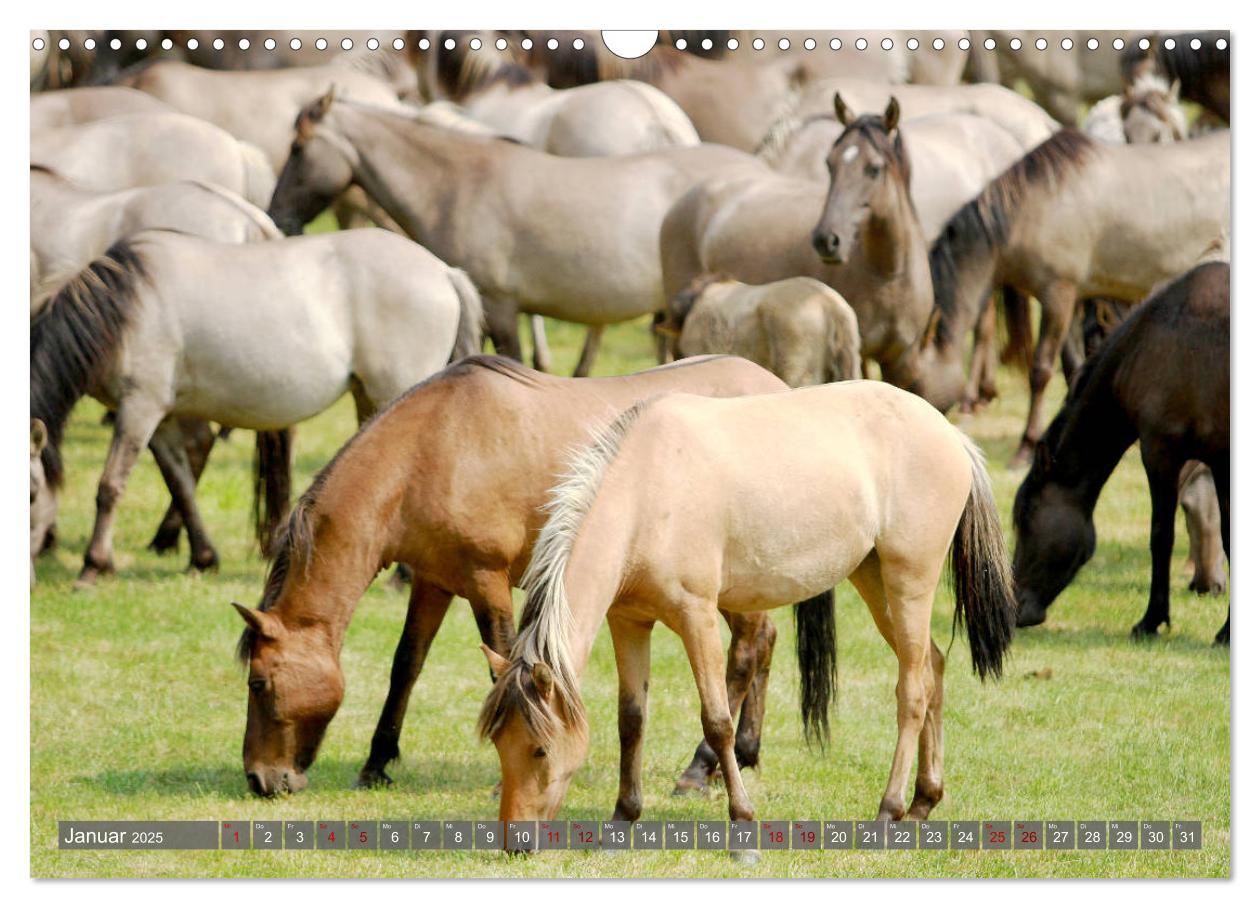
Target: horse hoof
point(748, 856)
point(373, 778)
point(686, 788)
point(90, 574)
point(207, 560)
point(1141, 632)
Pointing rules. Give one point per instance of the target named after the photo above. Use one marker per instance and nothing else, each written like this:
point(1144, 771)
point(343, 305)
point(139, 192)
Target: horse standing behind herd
point(878, 221)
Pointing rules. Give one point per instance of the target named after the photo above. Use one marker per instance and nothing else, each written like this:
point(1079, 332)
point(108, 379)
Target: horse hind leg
point(590, 347)
point(169, 450)
point(1220, 476)
point(746, 660)
point(199, 439)
point(1057, 305)
point(904, 621)
point(1162, 472)
point(425, 612)
point(981, 380)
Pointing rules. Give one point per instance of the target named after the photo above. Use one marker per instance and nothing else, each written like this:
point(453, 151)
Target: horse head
point(319, 168)
point(1054, 535)
point(295, 689)
point(865, 163)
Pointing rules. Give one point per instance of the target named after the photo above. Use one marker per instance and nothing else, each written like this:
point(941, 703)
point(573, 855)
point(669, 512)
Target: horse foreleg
point(1057, 305)
point(199, 438)
point(136, 420)
point(698, 626)
point(1220, 475)
point(538, 335)
point(590, 347)
point(1162, 473)
point(172, 458)
point(632, 647)
point(744, 661)
point(425, 611)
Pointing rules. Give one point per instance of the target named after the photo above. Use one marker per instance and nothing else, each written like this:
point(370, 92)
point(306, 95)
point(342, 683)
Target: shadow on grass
point(1111, 639)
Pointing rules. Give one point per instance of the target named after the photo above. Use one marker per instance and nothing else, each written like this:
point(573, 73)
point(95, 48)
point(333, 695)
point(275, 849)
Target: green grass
point(137, 707)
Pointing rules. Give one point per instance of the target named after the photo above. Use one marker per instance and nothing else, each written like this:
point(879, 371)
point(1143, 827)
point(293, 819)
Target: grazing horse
point(1161, 379)
point(147, 149)
point(570, 238)
point(867, 245)
point(71, 225)
point(798, 328)
point(1070, 220)
point(72, 106)
point(688, 505)
point(431, 483)
point(259, 336)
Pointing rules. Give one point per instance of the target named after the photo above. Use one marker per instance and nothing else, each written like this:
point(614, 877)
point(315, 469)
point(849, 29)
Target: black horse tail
point(984, 594)
point(816, 659)
point(273, 464)
point(1019, 334)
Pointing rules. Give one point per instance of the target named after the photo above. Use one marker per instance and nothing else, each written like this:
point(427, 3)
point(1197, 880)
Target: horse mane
point(984, 224)
point(783, 130)
point(1181, 61)
point(462, 70)
point(546, 620)
point(76, 335)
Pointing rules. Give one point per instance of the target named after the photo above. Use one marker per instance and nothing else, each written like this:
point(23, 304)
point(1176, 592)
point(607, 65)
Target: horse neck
point(1096, 433)
point(353, 532)
point(392, 150)
point(891, 237)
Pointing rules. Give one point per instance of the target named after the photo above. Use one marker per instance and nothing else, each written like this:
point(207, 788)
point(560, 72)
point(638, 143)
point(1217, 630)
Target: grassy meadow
point(138, 707)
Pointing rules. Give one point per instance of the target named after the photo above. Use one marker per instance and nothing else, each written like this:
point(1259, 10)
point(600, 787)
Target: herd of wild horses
point(795, 216)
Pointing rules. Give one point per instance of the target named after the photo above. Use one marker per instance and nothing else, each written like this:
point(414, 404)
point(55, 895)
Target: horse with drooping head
point(449, 481)
point(688, 505)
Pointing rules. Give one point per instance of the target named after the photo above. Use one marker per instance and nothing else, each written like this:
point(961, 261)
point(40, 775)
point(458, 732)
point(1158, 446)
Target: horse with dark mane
point(449, 481)
point(1071, 219)
point(1161, 379)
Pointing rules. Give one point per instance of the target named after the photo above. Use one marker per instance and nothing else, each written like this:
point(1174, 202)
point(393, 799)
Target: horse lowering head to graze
point(868, 156)
point(1151, 112)
point(43, 495)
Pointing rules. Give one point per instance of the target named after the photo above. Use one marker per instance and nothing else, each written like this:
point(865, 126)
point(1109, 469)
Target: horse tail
point(844, 346)
point(76, 336)
point(471, 316)
point(259, 179)
point(1019, 333)
point(816, 659)
point(984, 594)
point(273, 466)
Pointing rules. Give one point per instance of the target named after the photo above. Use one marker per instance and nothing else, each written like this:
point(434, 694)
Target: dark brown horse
point(449, 481)
point(1161, 379)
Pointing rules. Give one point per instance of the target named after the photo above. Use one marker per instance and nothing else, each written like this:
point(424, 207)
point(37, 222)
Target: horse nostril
point(255, 783)
point(826, 243)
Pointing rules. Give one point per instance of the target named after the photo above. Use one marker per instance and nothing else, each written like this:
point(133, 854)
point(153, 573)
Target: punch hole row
point(757, 44)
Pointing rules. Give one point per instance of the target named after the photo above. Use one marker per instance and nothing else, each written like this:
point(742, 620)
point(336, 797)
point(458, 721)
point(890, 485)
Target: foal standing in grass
point(688, 505)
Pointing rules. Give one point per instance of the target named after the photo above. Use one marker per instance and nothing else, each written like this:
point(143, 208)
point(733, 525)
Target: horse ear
point(843, 114)
point(326, 101)
point(544, 681)
point(1174, 91)
point(39, 437)
point(498, 665)
point(262, 623)
point(892, 114)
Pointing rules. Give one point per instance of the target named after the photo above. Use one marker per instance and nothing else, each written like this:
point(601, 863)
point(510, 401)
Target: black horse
point(1162, 379)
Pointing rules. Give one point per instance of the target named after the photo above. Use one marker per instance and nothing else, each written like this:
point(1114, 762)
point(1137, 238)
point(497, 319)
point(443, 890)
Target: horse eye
point(872, 170)
point(257, 685)
point(539, 754)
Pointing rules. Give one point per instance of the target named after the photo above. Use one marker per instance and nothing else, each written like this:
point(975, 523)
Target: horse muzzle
point(267, 783)
point(827, 244)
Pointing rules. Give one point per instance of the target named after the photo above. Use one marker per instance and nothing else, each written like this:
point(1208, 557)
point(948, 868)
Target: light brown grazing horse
point(449, 481)
point(1072, 219)
point(687, 505)
point(569, 238)
point(859, 236)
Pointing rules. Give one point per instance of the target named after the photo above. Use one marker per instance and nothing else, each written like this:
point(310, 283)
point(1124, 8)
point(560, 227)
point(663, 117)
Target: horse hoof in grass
point(690, 788)
point(1141, 632)
point(373, 778)
point(90, 574)
point(749, 856)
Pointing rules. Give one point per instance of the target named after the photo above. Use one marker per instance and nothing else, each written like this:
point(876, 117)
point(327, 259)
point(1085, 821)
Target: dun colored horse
point(688, 505)
point(570, 238)
point(1071, 219)
point(259, 336)
point(72, 106)
point(1161, 379)
point(449, 481)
